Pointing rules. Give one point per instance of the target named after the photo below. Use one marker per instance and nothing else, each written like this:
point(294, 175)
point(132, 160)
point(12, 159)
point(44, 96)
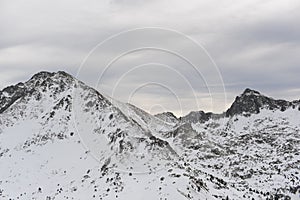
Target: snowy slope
point(258, 155)
point(60, 139)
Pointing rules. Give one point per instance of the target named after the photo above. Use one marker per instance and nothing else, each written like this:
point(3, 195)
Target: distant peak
point(63, 73)
point(167, 116)
point(196, 116)
point(168, 113)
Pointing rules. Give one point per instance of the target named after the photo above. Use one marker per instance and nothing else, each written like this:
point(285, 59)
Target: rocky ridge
point(75, 143)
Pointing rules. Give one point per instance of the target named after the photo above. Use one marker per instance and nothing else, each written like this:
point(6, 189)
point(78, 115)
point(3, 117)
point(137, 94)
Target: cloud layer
point(253, 43)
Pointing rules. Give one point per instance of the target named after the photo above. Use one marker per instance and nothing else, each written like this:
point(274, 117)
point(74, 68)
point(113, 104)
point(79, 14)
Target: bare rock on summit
point(251, 102)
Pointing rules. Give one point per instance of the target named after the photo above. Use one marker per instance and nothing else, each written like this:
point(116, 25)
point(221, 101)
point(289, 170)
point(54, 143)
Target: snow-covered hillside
point(60, 139)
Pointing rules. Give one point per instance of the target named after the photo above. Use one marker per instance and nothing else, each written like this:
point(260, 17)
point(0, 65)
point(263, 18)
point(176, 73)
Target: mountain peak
point(196, 116)
point(46, 79)
point(249, 91)
point(40, 82)
point(251, 102)
point(43, 75)
point(167, 116)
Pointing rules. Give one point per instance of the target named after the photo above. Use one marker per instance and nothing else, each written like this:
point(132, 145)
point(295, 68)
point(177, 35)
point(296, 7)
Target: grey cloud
point(255, 44)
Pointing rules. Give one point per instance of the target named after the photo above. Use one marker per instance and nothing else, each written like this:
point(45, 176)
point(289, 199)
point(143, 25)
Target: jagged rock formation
point(196, 116)
point(167, 117)
point(60, 139)
point(252, 101)
point(11, 94)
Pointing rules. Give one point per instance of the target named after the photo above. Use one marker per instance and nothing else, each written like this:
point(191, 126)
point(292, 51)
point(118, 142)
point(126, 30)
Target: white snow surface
point(72, 142)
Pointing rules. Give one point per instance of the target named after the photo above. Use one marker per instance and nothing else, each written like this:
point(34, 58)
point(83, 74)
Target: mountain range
point(61, 139)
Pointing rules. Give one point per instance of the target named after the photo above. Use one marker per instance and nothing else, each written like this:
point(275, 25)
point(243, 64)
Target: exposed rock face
point(11, 94)
point(167, 117)
point(252, 101)
point(196, 116)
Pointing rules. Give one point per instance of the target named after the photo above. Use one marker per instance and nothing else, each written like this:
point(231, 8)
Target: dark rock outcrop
point(11, 94)
point(196, 116)
point(167, 117)
point(251, 102)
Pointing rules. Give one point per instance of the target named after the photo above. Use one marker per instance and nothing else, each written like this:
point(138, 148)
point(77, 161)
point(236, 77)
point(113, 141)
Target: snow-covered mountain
point(61, 139)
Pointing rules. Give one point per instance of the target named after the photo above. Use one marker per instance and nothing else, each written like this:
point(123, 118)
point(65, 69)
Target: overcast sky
point(159, 55)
